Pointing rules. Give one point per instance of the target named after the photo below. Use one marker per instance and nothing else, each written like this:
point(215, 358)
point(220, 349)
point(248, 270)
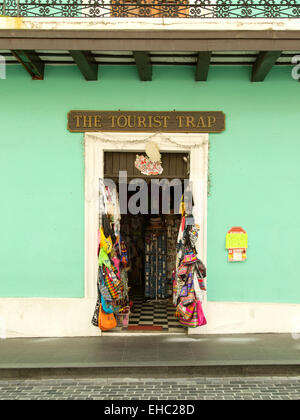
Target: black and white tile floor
point(154, 313)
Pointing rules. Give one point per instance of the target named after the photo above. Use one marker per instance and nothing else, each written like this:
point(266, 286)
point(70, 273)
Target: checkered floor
point(151, 313)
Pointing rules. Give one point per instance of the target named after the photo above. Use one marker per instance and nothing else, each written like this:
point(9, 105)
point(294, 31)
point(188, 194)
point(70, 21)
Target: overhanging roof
point(89, 43)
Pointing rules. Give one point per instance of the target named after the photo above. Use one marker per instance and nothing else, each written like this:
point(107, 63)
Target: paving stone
point(262, 388)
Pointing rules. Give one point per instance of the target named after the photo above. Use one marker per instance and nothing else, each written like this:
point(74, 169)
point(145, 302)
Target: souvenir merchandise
point(112, 285)
point(152, 151)
point(103, 258)
point(106, 321)
point(156, 261)
point(186, 312)
point(189, 276)
point(105, 242)
point(147, 167)
point(172, 222)
point(132, 254)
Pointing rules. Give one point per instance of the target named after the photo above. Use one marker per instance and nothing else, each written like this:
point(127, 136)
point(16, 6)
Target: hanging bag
point(106, 321)
point(186, 312)
point(102, 287)
point(200, 313)
point(106, 306)
point(112, 285)
point(201, 316)
point(192, 322)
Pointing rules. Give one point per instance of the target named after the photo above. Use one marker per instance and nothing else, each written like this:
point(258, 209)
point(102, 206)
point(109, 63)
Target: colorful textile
point(200, 313)
point(189, 258)
point(105, 242)
point(106, 306)
point(124, 256)
point(147, 167)
point(186, 312)
point(104, 259)
point(111, 283)
point(192, 322)
point(188, 282)
point(186, 289)
point(102, 287)
point(116, 264)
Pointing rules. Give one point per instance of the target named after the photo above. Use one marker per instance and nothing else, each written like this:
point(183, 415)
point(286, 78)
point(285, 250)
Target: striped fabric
point(113, 289)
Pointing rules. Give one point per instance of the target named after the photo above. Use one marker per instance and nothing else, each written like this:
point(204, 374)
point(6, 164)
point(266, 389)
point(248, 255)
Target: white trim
point(152, 24)
point(95, 146)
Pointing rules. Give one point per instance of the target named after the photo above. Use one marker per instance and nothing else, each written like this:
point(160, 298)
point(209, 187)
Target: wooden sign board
point(147, 121)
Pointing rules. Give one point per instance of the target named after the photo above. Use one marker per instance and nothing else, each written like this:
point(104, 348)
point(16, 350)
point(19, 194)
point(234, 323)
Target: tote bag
point(106, 321)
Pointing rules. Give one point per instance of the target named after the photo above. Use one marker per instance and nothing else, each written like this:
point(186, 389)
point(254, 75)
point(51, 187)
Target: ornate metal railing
point(203, 9)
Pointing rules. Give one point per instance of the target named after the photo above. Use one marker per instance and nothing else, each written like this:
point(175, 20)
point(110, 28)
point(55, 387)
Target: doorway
point(150, 235)
point(96, 144)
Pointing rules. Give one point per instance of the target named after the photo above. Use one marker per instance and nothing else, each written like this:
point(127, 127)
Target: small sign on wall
point(237, 244)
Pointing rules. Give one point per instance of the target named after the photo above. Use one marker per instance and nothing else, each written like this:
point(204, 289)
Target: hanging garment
point(124, 255)
point(112, 283)
point(102, 198)
point(124, 279)
point(103, 288)
point(104, 259)
point(95, 318)
point(106, 224)
point(185, 290)
point(116, 263)
point(106, 306)
point(199, 297)
point(102, 294)
point(105, 242)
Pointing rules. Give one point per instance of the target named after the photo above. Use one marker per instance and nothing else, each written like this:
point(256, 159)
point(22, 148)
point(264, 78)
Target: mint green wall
point(254, 171)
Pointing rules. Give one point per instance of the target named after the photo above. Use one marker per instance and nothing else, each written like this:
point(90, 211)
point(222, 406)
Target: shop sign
point(147, 121)
point(237, 244)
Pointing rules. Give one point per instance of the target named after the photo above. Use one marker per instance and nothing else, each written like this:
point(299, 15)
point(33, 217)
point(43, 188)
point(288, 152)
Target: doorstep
point(150, 356)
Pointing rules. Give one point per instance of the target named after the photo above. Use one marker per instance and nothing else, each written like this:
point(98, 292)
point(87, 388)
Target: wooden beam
point(143, 64)
point(86, 64)
point(264, 63)
point(158, 40)
point(31, 62)
point(203, 61)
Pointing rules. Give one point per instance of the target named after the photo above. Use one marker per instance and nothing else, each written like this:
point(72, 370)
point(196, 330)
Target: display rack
point(156, 263)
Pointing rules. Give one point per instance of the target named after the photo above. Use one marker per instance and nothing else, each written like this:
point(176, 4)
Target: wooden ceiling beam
point(86, 63)
point(263, 64)
point(31, 62)
point(143, 64)
point(203, 61)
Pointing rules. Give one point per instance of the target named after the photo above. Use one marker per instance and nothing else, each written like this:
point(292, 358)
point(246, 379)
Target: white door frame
point(98, 143)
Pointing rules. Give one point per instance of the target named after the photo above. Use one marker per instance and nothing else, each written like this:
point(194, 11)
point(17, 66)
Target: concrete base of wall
point(43, 317)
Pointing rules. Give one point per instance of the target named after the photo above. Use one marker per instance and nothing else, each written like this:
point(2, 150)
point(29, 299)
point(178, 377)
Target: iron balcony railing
point(202, 9)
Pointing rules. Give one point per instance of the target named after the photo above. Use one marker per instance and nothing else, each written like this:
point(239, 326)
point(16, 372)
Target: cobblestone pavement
point(254, 388)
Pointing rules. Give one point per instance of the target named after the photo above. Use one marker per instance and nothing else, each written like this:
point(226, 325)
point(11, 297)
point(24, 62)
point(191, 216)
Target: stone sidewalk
point(155, 355)
point(256, 388)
